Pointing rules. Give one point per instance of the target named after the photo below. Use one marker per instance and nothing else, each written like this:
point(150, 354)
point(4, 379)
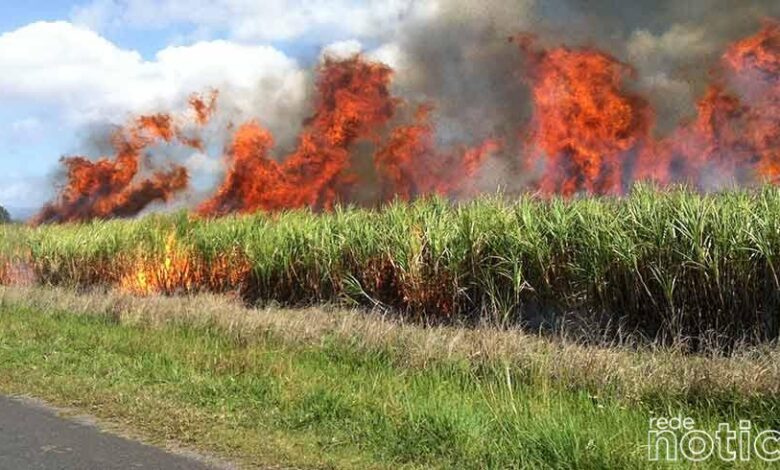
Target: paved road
point(34, 437)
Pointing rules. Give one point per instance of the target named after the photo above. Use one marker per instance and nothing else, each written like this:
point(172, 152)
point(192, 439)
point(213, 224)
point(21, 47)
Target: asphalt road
point(34, 437)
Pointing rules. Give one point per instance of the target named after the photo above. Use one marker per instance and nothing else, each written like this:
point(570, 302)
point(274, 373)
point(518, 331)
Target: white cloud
point(61, 63)
point(88, 78)
point(251, 19)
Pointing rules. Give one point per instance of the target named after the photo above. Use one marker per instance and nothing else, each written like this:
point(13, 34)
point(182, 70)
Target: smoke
point(600, 94)
point(352, 101)
point(457, 54)
point(126, 184)
point(458, 57)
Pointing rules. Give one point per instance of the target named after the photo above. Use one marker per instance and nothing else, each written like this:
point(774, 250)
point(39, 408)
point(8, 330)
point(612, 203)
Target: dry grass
point(633, 374)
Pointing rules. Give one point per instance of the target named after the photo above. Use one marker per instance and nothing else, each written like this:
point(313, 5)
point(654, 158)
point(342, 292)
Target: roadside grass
point(332, 389)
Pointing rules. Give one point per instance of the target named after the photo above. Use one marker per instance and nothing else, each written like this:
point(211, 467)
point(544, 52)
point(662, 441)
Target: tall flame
point(756, 63)
point(353, 101)
point(584, 122)
point(588, 134)
point(109, 188)
point(736, 135)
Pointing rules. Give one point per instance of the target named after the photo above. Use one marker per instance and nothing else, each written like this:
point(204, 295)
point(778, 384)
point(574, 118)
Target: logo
point(678, 439)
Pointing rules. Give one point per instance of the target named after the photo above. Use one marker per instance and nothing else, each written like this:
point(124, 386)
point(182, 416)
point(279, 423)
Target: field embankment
point(325, 388)
point(657, 263)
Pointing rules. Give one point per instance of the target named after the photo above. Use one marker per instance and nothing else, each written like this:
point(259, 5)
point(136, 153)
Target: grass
point(674, 263)
point(327, 388)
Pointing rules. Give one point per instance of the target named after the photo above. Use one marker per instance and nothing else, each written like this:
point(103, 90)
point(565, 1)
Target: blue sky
point(72, 66)
point(29, 156)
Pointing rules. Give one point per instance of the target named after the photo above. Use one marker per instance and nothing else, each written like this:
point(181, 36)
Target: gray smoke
point(456, 54)
point(459, 57)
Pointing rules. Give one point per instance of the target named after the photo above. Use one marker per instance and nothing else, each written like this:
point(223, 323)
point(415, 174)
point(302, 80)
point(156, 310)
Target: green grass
point(335, 402)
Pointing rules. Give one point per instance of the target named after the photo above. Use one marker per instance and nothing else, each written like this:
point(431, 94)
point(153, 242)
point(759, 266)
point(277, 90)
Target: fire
point(409, 165)
point(735, 137)
point(711, 147)
point(353, 101)
point(179, 270)
point(109, 188)
point(588, 134)
point(173, 273)
point(594, 136)
point(585, 124)
point(204, 107)
point(759, 54)
point(756, 63)
point(17, 273)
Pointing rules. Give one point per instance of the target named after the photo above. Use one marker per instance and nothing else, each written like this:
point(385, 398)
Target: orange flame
point(204, 107)
point(175, 272)
point(711, 145)
point(353, 101)
point(584, 122)
point(756, 62)
point(409, 165)
point(179, 270)
point(735, 137)
point(588, 132)
point(109, 188)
